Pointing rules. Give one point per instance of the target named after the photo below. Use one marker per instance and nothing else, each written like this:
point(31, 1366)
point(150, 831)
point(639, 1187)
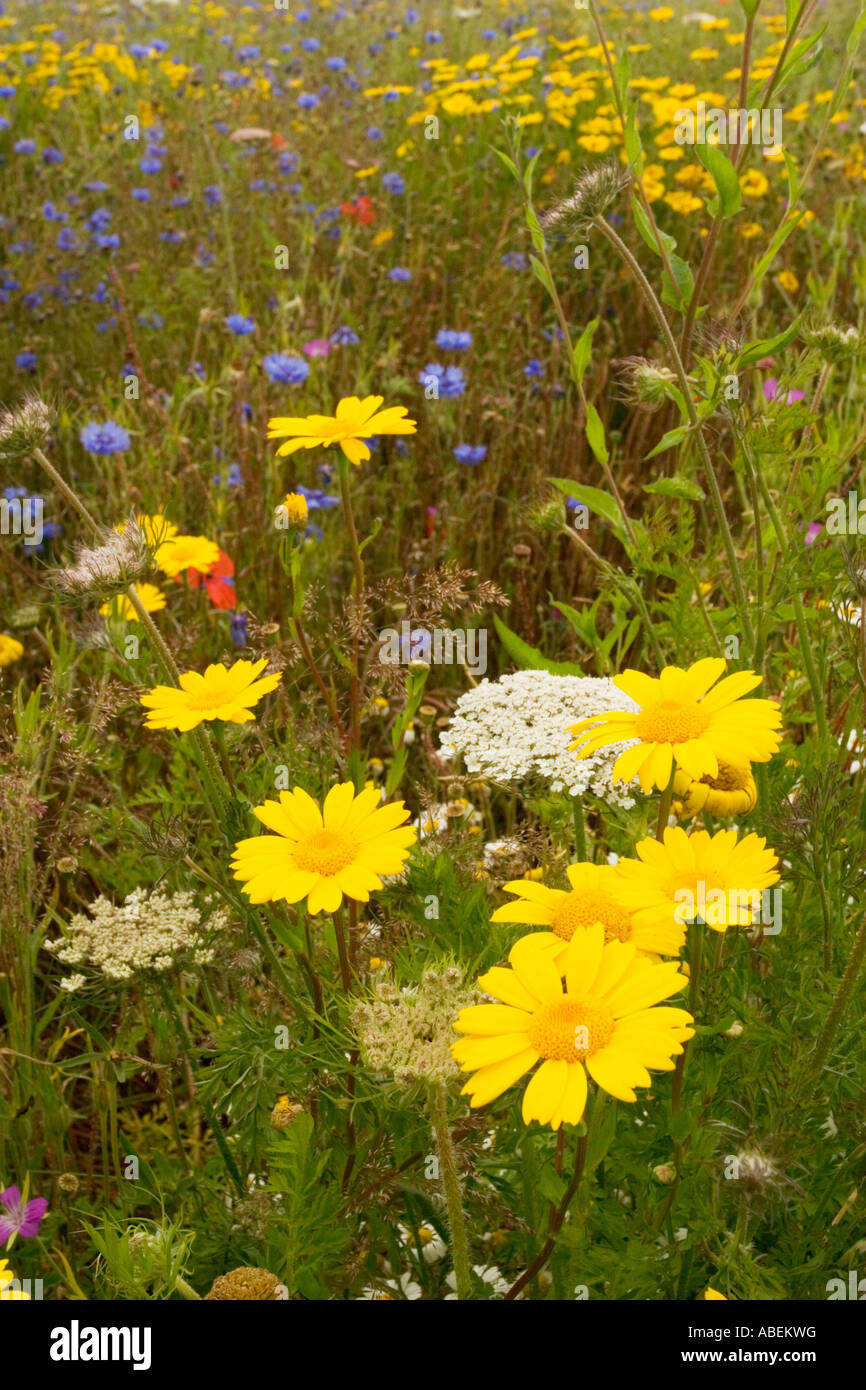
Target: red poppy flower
point(360, 209)
point(218, 582)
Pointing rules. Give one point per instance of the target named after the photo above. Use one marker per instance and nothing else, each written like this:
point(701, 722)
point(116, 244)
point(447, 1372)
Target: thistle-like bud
point(644, 383)
point(834, 341)
point(25, 428)
point(284, 1113)
point(595, 190)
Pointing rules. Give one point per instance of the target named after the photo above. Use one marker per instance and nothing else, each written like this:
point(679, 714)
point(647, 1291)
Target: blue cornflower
point(374, 133)
point(107, 438)
point(234, 477)
point(533, 368)
point(52, 156)
point(26, 361)
point(453, 341)
point(307, 100)
point(98, 220)
point(149, 164)
point(287, 370)
point(213, 194)
point(106, 241)
point(24, 146)
point(141, 195)
point(450, 380)
point(335, 64)
point(515, 260)
point(239, 325)
point(394, 183)
point(53, 214)
point(310, 44)
point(238, 628)
point(400, 274)
point(470, 453)
point(66, 240)
point(344, 336)
point(96, 186)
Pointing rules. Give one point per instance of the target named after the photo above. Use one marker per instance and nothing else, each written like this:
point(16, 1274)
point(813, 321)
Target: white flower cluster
point(150, 931)
point(516, 729)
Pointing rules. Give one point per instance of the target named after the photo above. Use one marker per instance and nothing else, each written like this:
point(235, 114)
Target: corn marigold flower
point(355, 421)
point(222, 692)
point(681, 719)
point(10, 649)
point(320, 855)
point(151, 598)
point(595, 897)
point(732, 792)
point(293, 511)
point(155, 529)
point(716, 877)
point(182, 552)
point(602, 1021)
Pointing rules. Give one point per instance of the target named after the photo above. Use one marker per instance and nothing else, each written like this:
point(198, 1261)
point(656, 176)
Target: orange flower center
point(585, 909)
point(671, 721)
point(325, 852)
point(728, 779)
point(570, 1030)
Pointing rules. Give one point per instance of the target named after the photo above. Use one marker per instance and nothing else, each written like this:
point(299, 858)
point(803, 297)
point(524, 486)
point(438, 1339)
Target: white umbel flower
point(516, 730)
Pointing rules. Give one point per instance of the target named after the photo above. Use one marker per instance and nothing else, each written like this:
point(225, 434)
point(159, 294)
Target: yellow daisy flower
point(594, 898)
point(715, 877)
point(355, 421)
point(8, 1295)
point(320, 855)
point(787, 280)
point(603, 1022)
point(754, 184)
point(10, 649)
point(187, 552)
point(151, 598)
point(681, 719)
point(732, 792)
point(223, 692)
point(711, 1296)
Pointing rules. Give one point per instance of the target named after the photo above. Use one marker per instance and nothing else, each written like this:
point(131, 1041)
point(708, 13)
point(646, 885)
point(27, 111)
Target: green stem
point(451, 1189)
point(837, 1010)
point(579, 830)
point(715, 493)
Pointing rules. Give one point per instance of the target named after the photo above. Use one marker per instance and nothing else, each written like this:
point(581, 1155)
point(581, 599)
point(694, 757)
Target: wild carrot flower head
point(600, 1020)
point(320, 855)
point(355, 421)
point(681, 719)
point(227, 693)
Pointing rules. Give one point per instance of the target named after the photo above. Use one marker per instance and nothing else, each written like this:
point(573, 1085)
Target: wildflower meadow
point(432, 658)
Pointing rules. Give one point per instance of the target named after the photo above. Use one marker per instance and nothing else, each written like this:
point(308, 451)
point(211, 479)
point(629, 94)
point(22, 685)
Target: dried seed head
point(248, 1283)
point(111, 568)
point(595, 190)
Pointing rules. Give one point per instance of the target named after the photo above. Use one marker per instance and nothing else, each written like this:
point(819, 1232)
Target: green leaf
point(534, 226)
point(582, 352)
point(595, 434)
point(749, 8)
point(591, 497)
point(766, 346)
point(676, 487)
point(854, 37)
point(633, 145)
point(669, 441)
point(528, 172)
point(621, 77)
point(678, 295)
point(551, 1184)
point(529, 658)
point(542, 274)
point(724, 176)
point(645, 229)
point(509, 163)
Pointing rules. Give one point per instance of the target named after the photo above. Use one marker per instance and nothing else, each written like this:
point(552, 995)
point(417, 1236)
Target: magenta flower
point(771, 386)
point(20, 1217)
point(317, 347)
point(813, 531)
